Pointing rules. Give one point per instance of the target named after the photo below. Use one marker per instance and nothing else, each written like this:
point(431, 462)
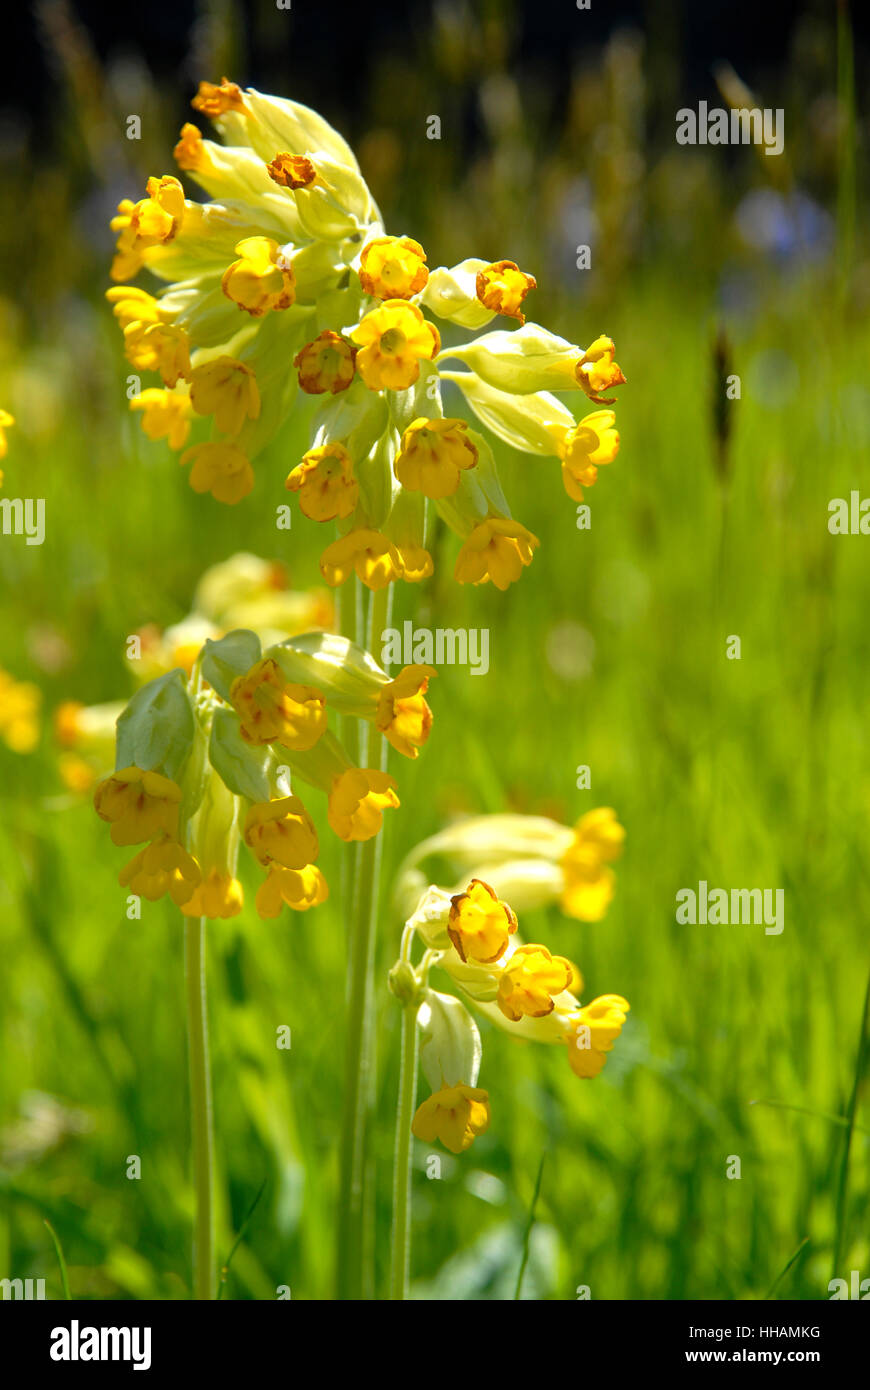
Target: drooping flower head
point(224, 740)
point(523, 988)
point(286, 282)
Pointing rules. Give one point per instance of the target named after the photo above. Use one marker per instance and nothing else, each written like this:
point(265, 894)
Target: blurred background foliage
point(557, 131)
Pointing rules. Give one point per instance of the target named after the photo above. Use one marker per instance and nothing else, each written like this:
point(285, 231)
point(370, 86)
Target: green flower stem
point(353, 1274)
point(861, 1065)
point(400, 1254)
point(202, 1123)
point(349, 616)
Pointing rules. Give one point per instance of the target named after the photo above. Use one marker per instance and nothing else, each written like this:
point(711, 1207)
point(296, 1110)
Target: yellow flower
point(158, 347)
point(218, 895)
point(358, 800)
point(403, 716)
point(226, 389)
point(132, 305)
point(158, 217)
point(19, 713)
point(272, 709)
point(530, 980)
point(327, 364)
point(188, 153)
point(281, 831)
point(6, 420)
point(165, 415)
point(593, 441)
point(589, 884)
point(496, 550)
point(480, 924)
point(76, 774)
point(601, 830)
point(221, 469)
point(502, 287)
point(596, 371)
point(299, 889)
point(393, 267)
point(596, 1027)
point(213, 100)
point(261, 279)
point(139, 805)
point(129, 254)
point(163, 867)
point(455, 1115)
point(433, 455)
point(67, 724)
point(325, 482)
point(415, 561)
point(392, 339)
point(292, 171)
point(374, 558)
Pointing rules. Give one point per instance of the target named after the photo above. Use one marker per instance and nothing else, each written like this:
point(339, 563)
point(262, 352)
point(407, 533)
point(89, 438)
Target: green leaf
point(156, 730)
point(229, 657)
point(240, 767)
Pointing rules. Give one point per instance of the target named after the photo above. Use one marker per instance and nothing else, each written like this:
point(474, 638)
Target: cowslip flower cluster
point(522, 987)
point(286, 282)
point(242, 591)
point(205, 761)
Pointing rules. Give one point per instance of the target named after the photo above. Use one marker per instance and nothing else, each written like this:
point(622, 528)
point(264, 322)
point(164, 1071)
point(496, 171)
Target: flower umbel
point(289, 261)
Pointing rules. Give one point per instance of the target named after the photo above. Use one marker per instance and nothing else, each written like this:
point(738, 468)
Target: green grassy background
point(610, 651)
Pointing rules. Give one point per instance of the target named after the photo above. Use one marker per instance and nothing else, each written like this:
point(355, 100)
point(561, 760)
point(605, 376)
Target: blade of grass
point(816, 1114)
point(784, 1272)
point(64, 1278)
point(225, 1268)
point(843, 1180)
point(527, 1234)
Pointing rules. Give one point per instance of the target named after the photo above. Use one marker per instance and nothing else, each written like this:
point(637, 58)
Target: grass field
point(610, 652)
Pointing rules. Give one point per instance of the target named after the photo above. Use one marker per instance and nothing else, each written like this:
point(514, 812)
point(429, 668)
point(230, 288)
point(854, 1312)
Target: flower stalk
point(400, 1254)
point(201, 1115)
point(353, 1272)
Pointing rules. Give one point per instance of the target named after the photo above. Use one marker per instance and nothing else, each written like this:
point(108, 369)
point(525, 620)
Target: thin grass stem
point(201, 1117)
